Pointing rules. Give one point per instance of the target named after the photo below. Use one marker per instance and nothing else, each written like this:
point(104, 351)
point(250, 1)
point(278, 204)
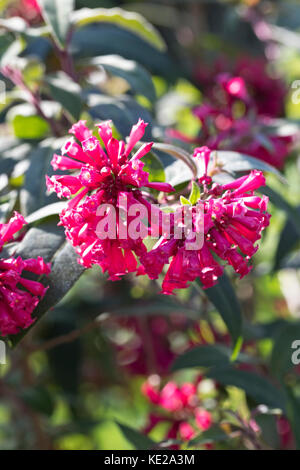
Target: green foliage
point(73, 379)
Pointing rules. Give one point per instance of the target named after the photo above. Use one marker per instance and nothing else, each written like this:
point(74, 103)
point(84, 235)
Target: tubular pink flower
point(104, 177)
point(203, 419)
point(80, 130)
point(186, 431)
point(181, 408)
point(233, 219)
point(18, 296)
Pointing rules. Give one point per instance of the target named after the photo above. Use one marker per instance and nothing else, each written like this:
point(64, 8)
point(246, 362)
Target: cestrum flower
point(233, 218)
point(231, 120)
point(18, 296)
point(105, 188)
point(180, 405)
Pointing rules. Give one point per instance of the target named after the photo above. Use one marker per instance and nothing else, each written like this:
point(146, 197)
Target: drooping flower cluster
point(110, 181)
point(180, 406)
point(231, 120)
point(230, 221)
point(233, 218)
point(18, 295)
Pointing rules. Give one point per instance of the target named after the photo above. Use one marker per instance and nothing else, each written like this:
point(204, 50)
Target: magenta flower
point(233, 219)
point(104, 177)
point(18, 296)
point(203, 419)
point(222, 129)
point(267, 91)
point(180, 407)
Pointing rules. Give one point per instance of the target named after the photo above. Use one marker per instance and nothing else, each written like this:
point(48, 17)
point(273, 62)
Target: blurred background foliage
point(74, 381)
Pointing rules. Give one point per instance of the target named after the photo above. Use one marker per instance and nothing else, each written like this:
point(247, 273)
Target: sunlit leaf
point(128, 20)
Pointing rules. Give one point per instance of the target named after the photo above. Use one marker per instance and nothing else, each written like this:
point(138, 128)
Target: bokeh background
point(84, 376)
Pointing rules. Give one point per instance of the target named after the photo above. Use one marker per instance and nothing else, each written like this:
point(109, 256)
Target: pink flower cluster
point(267, 92)
point(103, 177)
point(234, 116)
point(18, 295)
point(181, 406)
point(234, 218)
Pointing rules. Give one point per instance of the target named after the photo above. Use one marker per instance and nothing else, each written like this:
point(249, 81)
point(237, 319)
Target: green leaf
point(195, 194)
point(12, 151)
point(281, 203)
point(223, 297)
point(184, 201)
point(18, 25)
point(257, 387)
point(48, 241)
point(57, 15)
point(214, 434)
point(27, 124)
point(39, 399)
point(178, 175)
point(46, 211)
point(292, 261)
point(293, 413)
point(127, 20)
point(124, 112)
point(65, 360)
point(203, 356)
point(30, 127)
point(235, 162)
point(181, 171)
point(33, 194)
point(137, 439)
point(288, 239)
point(281, 358)
point(136, 75)
point(97, 40)
point(154, 167)
point(67, 93)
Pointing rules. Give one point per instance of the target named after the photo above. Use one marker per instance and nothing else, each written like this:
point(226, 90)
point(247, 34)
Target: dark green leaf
point(154, 167)
point(293, 413)
point(124, 112)
point(39, 399)
point(57, 15)
point(137, 76)
point(214, 434)
point(288, 239)
point(67, 93)
point(281, 359)
point(103, 39)
point(255, 386)
point(235, 162)
point(48, 241)
point(138, 440)
point(203, 356)
point(223, 297)
point(34, 192)
point(281, 203)
point(127, 20)
point(46, 211)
